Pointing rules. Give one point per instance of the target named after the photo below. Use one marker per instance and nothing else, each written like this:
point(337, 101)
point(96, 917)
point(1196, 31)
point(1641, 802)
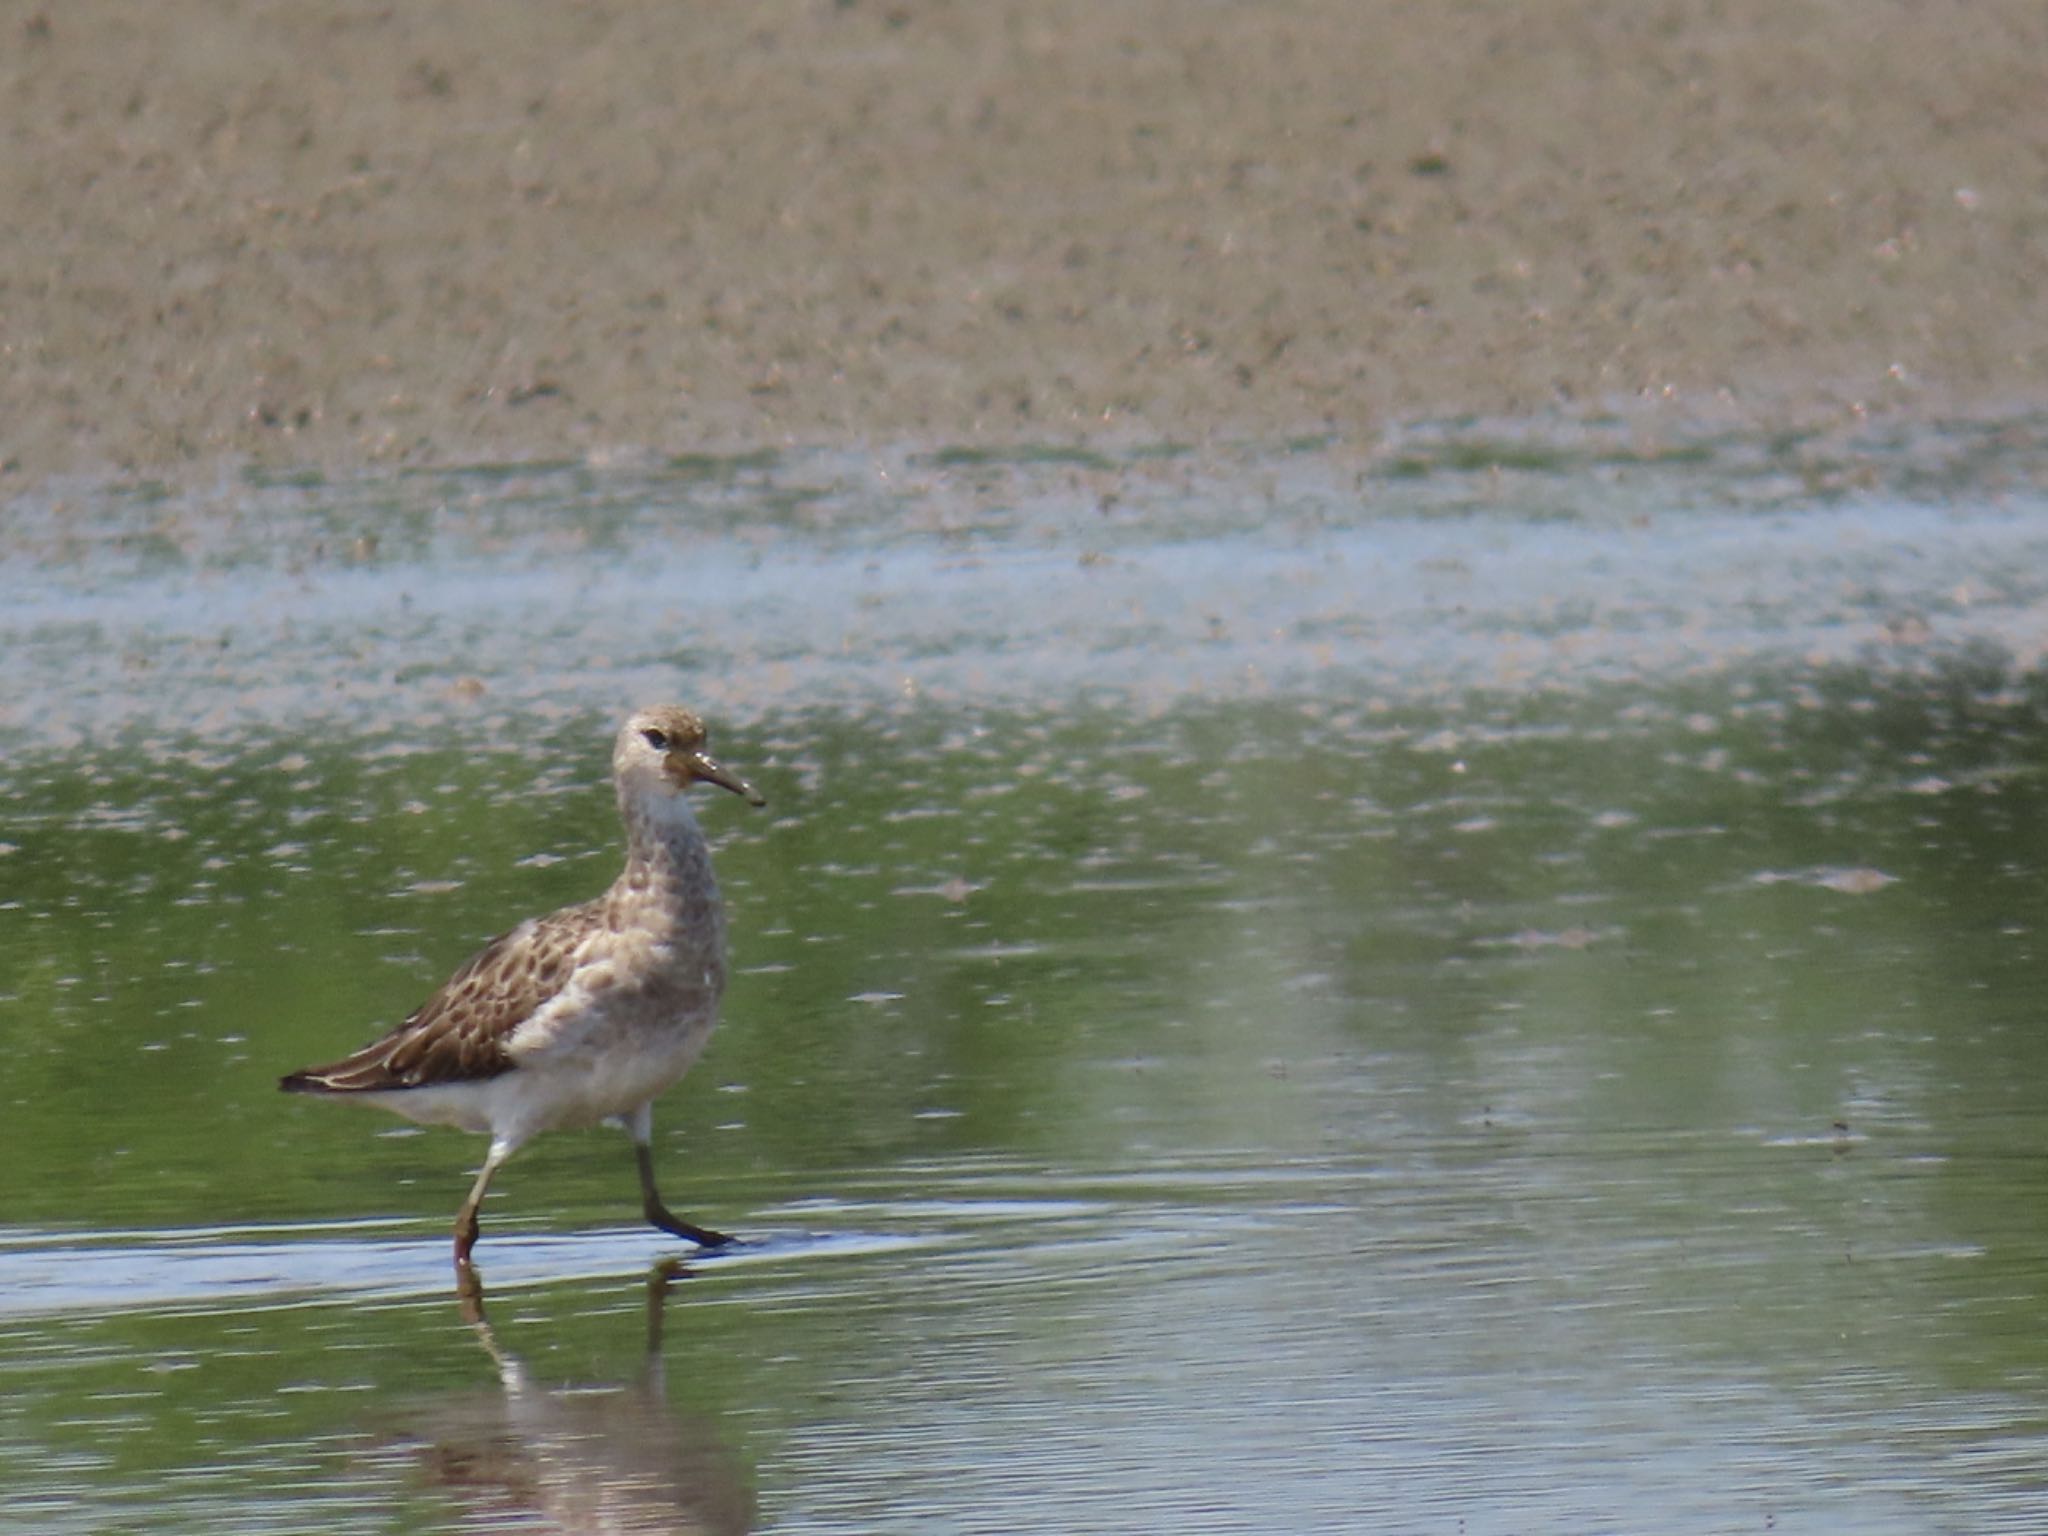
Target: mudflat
point(345, 235)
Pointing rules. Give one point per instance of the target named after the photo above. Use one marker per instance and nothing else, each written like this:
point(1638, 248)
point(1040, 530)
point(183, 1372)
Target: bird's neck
point(668, 863)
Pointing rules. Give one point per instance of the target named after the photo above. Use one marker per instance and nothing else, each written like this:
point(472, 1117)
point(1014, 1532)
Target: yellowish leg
point(466, 1219)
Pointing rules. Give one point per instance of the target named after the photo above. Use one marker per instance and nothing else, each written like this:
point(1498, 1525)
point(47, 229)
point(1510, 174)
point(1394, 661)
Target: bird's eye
point(655, 739)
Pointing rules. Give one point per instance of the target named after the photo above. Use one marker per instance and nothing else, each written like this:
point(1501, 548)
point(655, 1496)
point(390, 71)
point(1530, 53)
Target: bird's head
point(660, 750)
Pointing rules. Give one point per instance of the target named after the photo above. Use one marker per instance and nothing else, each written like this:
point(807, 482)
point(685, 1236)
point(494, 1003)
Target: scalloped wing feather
point(460, 1033)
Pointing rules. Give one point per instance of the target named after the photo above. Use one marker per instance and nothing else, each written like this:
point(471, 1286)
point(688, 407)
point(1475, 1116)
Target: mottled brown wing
point(459, 1034)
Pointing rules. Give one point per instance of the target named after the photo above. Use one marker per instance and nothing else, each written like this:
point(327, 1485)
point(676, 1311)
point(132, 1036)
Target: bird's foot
point(675, 1226)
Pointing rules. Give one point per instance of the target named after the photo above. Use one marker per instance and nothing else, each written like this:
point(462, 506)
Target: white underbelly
point(601, 1077)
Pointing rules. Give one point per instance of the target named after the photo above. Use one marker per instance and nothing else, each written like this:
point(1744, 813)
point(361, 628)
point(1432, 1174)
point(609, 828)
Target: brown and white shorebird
point(584, 1015)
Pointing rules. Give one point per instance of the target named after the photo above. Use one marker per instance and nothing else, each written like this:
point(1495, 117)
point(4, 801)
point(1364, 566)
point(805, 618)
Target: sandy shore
point(348, 235)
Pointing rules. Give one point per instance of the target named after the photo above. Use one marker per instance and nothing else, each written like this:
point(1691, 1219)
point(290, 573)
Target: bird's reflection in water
point(533, 1458)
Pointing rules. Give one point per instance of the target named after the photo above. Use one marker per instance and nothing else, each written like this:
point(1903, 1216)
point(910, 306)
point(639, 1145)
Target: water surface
point(1498, 994)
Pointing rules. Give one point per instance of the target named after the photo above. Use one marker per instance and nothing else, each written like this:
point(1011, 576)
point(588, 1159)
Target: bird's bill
point(701, 765)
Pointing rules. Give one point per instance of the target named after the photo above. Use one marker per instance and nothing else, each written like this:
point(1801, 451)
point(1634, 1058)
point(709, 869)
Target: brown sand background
point(348, 235)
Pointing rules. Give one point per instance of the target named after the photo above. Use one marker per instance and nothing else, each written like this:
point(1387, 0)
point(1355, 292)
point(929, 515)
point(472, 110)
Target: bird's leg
point(660, 1215)
point(640, 1123)
point(466, 1223)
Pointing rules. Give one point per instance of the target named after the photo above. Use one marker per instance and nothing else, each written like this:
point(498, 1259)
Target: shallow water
point(1499, 993)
